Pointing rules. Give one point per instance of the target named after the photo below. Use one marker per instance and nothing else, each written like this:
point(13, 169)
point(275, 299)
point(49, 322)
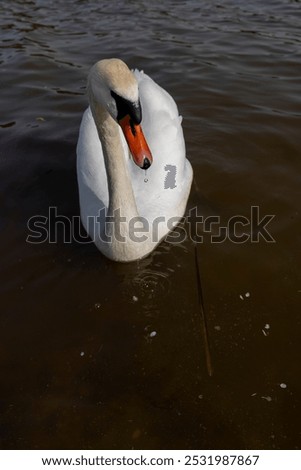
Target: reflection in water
point(100, 355)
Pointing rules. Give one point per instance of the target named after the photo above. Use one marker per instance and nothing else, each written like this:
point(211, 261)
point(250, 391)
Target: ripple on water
point(152, 284)
point(146, 288)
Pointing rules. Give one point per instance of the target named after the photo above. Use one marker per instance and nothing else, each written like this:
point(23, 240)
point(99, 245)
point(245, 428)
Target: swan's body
point(110, 182)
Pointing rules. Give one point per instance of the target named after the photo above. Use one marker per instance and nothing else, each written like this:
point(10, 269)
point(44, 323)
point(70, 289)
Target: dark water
point(80, 365)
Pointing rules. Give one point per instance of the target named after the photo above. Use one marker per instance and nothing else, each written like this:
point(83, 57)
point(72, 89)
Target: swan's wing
point(169, 177)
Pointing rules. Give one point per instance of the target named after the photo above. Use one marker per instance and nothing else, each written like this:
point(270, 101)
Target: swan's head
point(115, 88)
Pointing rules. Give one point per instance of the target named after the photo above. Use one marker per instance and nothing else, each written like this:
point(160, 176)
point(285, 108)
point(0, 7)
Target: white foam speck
point(267, 398)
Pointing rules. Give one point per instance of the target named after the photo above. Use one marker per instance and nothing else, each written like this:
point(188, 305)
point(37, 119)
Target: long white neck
point(121, 195)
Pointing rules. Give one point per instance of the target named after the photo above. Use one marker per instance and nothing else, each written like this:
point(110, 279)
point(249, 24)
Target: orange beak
point(136, 141)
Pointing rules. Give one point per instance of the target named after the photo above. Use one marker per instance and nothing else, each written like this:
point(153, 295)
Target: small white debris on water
point(267, 398)
point(97, 305)
point(283, 385)
point(254, 394)
point(153, 334)
point(217, 328)
point(245, 296)
point(200, 397)
point(82, 353)
point(135, 299)
point(266, 329)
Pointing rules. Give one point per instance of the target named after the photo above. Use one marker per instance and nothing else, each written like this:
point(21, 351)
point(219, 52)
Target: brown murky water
point(81, 366)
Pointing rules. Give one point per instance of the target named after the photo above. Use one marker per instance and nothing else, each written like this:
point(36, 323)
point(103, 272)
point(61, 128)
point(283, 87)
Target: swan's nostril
point(146, 164)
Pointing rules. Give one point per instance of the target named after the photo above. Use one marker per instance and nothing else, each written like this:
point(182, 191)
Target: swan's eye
point(127, 108)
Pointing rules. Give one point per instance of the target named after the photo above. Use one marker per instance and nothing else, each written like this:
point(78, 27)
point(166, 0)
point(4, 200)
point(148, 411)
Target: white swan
point(140, 206)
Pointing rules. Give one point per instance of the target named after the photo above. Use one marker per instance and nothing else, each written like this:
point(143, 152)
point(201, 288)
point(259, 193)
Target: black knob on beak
point(146, 164)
